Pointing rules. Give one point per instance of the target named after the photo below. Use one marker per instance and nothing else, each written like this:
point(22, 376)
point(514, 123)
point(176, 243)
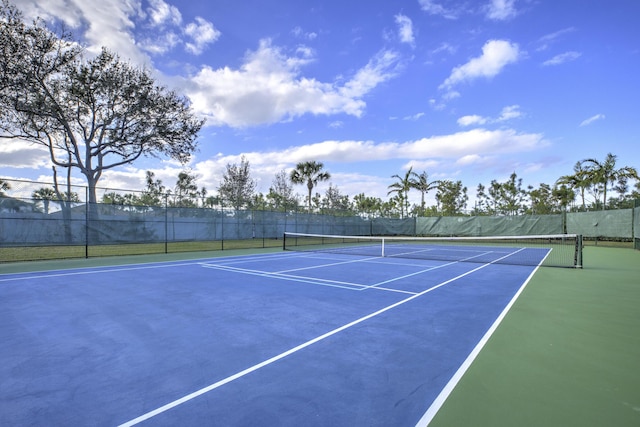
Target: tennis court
point(288, 338)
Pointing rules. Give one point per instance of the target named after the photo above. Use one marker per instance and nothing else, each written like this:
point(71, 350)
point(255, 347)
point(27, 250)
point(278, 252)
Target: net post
point(578, 258)
point(284, 241)
point(382, 247)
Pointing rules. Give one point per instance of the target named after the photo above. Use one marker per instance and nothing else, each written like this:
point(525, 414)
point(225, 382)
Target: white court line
point(304, 279)
point(400, 291)
point(138, 266)
point(436, 267)
point(455, 379)
point(243, 259)
point(131, 267)
point(327, 265)
point(289, 352)
point(86, 271)
point(438, 250)
point(375, 285)
point(292, 278)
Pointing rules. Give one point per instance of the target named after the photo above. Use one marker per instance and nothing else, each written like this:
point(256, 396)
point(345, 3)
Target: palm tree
point(578, 181)
point(401, 188)
point(605, 172)
point(45, 194)
point(421, 183)
point(309, 173)
point(186, 190)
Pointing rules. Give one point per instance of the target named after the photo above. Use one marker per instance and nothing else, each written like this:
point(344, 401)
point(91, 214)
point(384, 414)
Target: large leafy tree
point(542, 199)
point(367, 206)
point(29, 53)
point(501, 198)
point(281, 196)
point(512, 195)
point(603, 173)
point(237, 185)
point(488, 198)
point(452, 197)
point(482, 205)
point(309, 173)
point(335, 201)
point(563, 195)
point(91, 115)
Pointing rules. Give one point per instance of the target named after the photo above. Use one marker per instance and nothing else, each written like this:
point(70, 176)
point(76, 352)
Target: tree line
point(589, 187)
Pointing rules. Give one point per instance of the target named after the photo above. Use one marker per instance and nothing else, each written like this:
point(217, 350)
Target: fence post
point(634, 208)
point(86, 220)
point(222, 225)
point(166, 223)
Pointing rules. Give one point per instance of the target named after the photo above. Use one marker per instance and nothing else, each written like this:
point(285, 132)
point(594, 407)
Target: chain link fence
point(38, 222)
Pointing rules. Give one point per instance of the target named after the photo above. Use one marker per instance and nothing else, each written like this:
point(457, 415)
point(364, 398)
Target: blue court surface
point(284, 339)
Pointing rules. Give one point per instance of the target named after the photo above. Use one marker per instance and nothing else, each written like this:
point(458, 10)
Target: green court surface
point(567, 353)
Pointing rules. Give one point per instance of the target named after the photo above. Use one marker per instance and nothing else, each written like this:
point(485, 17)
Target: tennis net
point(562, 250)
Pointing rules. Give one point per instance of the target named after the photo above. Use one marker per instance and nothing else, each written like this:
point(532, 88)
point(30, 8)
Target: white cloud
point(21, 154)
point(420, 165)
point(592, 119)
point(549, 39)
point(269, 88)
point(496, 54)
point(298, 32)
point(382, 67)
point(562, 58)
point(109, 23)
point(450, 95)
point(161, 13)
point(405, 29)
point(162, 43)
point(476, 141)
point(203, 33)
point(433, 8)
point(508, 113)
point(445, 47)
point(501, 10)
point(471, 159)
point(472, 120)
point(112, 23)
point(438, 106)
point(471, 147)
point(414, 117)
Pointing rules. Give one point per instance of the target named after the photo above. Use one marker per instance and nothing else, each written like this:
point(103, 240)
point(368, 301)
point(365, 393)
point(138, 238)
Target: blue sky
point(464, 90)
